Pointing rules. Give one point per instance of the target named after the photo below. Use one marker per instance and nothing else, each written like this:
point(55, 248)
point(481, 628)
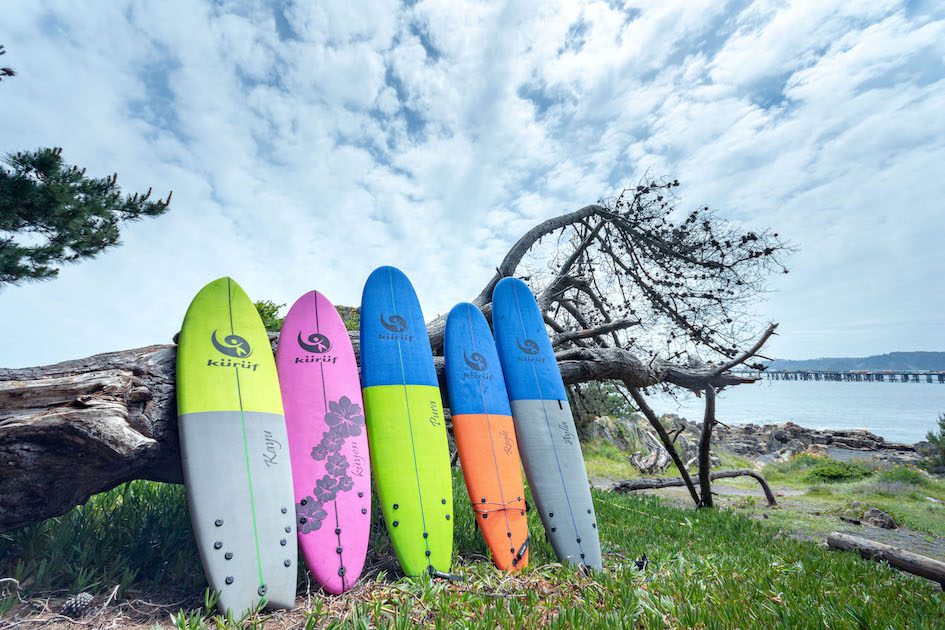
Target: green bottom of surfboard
point(411, 466)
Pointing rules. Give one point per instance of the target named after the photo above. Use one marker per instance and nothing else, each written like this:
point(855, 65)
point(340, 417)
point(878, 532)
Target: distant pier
point(855, 376)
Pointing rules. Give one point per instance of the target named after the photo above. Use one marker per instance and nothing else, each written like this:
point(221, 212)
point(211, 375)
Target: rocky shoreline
point(761, 443)
point(773, 442)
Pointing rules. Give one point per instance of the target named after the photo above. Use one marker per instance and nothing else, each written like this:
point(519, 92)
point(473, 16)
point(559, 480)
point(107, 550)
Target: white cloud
point(308, 143)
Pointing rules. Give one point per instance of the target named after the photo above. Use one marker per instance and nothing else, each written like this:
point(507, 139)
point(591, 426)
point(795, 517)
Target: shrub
point(903, 474)
point(834, 472)
point(797, 463)
point(935, 452)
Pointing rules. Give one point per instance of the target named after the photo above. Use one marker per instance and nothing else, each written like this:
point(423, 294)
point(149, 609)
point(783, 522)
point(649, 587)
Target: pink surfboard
point(328, 446)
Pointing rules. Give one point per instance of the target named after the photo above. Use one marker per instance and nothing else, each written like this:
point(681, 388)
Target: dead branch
point(632, 485)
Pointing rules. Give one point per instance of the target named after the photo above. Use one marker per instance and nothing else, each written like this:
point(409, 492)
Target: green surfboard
point(406, 430)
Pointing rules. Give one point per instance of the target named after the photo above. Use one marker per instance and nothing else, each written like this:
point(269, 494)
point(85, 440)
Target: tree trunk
point(631, 485)
point(902, 559)
point(73, 429)
point(705, 443)
point(665, 439)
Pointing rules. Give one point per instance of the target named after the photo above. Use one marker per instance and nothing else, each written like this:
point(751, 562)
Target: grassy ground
point(817, 492)
point(710, 569)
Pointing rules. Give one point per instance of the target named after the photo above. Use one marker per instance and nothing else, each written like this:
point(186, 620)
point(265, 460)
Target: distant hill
point(890, 361)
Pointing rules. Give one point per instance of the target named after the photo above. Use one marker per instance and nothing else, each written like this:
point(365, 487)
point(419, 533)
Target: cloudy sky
point(307, 143)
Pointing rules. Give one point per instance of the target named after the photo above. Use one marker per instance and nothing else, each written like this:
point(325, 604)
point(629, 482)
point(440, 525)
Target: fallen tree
point(902, 559)
point(73, 429)
point(655, 483)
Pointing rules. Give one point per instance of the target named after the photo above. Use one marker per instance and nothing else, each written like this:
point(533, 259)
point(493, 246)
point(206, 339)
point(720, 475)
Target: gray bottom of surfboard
point(229, 515)
point(554, 466)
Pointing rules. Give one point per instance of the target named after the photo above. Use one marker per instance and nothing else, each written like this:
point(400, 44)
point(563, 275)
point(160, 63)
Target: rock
point(624, 433)
point(878, 518)
point(656, 462)
point(713, 461)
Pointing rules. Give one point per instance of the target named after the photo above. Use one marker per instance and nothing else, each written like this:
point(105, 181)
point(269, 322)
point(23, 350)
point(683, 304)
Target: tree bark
point(73, 429)
point(902, 559)
point(631, 485)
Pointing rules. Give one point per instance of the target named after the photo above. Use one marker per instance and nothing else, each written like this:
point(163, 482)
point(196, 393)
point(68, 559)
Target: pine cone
point(77, 605)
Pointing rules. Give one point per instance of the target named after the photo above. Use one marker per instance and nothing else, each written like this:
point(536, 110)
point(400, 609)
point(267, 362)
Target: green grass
point(708, 568)
point(606, 461)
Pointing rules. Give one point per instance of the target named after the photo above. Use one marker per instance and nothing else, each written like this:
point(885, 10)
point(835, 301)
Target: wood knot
point(86, 400)
point(139, 394)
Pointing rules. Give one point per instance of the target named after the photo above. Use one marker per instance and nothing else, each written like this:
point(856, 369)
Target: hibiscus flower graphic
point(326, 489)
point(320, 452)
point(332, 443)
point(345, 483)
point(309, 514)
point(344, 417)
point(336, 465)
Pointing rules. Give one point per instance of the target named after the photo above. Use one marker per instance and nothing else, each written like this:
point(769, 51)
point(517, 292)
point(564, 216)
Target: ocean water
point(899, 412)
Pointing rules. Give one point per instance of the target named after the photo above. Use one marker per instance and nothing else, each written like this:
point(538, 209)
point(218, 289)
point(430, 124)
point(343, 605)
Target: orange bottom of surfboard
point(492, 469)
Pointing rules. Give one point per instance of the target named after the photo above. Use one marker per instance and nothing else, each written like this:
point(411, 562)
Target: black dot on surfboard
point(428, 552)
point(551, 514)
point(512, 550)
point(341, 571)
point(579, 541)
point(288, 529)
point(483, 499)
point(228, 555)
point(396, 523)
point(304, 502)
point(523, 512)
point(363, 510)
point(485, 516)
point(554, 529)
point(509, 534)
point(287, 562)
point(588, 511)
point(229, 579)
point(582, 556)
point(303, 520)
point(283, 542)
point(447, 517)
point(396, 506)
point(284, 510)
point(594, 525)
point(218, 545)
point(426, 535)
point(338, 551)
point(337, 530)
point(443, 501)
point(261, 590)
point(218, 522)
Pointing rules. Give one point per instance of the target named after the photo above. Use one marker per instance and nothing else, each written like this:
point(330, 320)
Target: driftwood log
point(73, 429)
point(654, 483)
point(902, 559)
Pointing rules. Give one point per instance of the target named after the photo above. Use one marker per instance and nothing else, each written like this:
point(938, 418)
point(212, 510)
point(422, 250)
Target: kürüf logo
point(232, 346)
point(394, 323)
point(528, 346)
point(317, 343)
point(476, 361)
